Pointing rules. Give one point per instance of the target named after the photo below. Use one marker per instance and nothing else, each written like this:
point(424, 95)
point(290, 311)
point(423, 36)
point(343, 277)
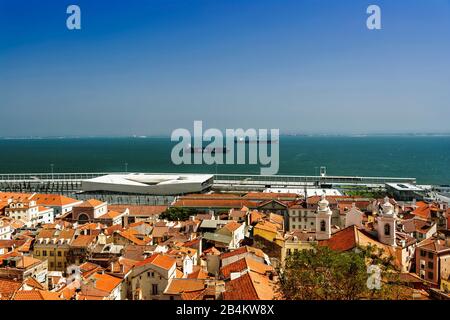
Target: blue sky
point(149, 67)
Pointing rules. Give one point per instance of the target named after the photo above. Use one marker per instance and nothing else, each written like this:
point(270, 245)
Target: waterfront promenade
point(71, 182)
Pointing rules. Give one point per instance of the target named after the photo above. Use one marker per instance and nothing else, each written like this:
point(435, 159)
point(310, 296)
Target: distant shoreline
point(286, 135)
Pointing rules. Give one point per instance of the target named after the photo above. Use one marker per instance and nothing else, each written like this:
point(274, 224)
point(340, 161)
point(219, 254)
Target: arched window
point(83, 218)
point(387, 229)
point(322, 225)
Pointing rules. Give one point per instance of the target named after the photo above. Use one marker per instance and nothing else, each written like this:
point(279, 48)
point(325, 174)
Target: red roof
point(215, 203)
point(8, 288)
point(250, 286)
point(106, 282)
point(232, 226)
point(36, 295)
point(242, 250)
point(343, 240)
point(243, 264)
point(423, 210)
point(91, 203)
point(53, 200)
point(159, 260)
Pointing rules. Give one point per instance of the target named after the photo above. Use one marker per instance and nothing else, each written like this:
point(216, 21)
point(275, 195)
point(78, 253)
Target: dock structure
point(44, 182)
point(292, 181)
point(72, 182)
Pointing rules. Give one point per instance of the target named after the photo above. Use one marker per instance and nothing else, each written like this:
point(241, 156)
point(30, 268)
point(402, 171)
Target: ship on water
point(248, 140)
point(191, 149)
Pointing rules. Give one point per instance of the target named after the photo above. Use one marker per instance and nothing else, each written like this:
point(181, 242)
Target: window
point(37, 252)
point(154, 289)
point(44, 253)
point(430, 275)
point(59, 253)
point(430, 264)
point(52, 264)
point(52, 253)
point(430, 255)
point(59, 264)
point(322, 225)
point(387, 229)
point(423, 253)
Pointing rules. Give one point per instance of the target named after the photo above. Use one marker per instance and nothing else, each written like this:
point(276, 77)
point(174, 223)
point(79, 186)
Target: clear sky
point(149, 67)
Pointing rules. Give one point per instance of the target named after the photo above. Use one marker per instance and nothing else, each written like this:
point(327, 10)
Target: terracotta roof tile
point(53, 200)
point(244, 264)
point(83, 241)
point(106, 282)
point(178, 286)
point(159, 260)
point(342, 240)
point(8, 288)
point(250, 286)
point(91, 203)
point(215, 203)
point(423, 210)
point(110, 215)
point(198, 273)
point(32, 282)
point(267, 226)
point(232, 226)
point(242, 250)
point(36, 295)
point(131, 235)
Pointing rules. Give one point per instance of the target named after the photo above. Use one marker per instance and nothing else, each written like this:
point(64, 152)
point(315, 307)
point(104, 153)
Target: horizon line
point(285, 134)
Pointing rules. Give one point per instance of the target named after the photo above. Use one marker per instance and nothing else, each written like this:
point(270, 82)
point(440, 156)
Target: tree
point(323, 274)
point(177, 214)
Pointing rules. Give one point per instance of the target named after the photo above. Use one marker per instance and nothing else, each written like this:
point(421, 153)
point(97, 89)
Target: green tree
point(177, 214)
point(324, 274)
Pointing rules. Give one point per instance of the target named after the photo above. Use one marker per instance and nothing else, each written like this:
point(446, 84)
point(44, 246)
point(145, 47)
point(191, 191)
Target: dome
point(323, 203)
point(323, 206)
point(388, 208)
